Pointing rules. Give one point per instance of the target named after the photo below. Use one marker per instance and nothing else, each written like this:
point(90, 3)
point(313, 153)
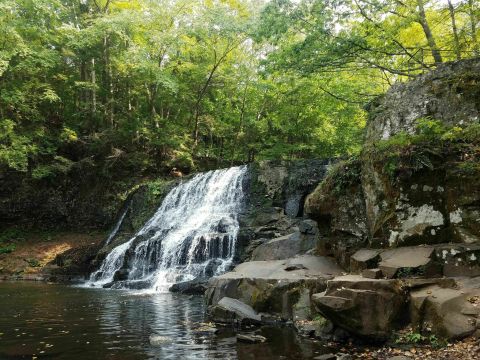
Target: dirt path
point(35, 251)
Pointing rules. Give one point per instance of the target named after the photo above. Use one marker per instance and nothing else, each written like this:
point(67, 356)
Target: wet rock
point(365, 307)
point(193, 287)
point(206, 329)
point(251, 338)
point(157, 340)
point(229, 310)
point(364, 259)
point(294, 205)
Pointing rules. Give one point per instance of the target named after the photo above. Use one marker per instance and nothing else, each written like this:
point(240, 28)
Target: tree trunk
point(94, 86)
point(456, 42)
point(422, 19)
point(473, 26)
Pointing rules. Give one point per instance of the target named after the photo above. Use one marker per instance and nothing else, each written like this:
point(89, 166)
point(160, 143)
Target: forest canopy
point(155, 84)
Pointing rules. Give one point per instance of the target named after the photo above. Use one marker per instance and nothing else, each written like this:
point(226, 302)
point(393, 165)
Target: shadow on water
point(60, 322)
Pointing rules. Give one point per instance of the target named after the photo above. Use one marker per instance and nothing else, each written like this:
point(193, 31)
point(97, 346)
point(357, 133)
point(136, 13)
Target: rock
point(409, 261)
point(399, 357)
point(157, 340)
point(365, 307)
point(326, 357)
point(292, 267)
point(193, 287)
point(268, 216)
point(459, 259)
point(229, 310)
point(294, 205)
point(308, 226)
point(285, 247)
point(268, 288)
point(339, 209)
point(372, 273)
point(250, 338)
point(364, 259)
point(206, 329)
point(446, 312)
point(449, 93)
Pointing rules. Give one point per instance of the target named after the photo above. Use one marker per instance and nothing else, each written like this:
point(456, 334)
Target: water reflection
point(58, 322)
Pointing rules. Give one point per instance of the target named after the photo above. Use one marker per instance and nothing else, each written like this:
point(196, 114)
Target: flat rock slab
point(273, 287)
point(308, 267)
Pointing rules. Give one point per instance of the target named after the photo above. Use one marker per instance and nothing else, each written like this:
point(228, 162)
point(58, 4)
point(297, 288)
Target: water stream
point(192, 235)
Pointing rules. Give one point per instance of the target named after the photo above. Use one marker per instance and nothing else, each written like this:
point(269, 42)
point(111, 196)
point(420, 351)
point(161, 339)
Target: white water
point(117, 227)
point(192, 234)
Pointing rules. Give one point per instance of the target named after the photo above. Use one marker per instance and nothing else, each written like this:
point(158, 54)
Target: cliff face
point(451, 94)
point(410, 187)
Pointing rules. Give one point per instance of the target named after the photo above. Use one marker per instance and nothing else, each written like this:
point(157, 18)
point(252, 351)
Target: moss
point(342, 176)
point(433, 141)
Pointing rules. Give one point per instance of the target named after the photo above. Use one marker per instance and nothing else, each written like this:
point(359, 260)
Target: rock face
point(268, 287)
point(365, 307)
point(450, 93)
point(447, 312)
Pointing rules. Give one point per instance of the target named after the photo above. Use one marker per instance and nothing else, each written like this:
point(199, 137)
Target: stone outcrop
point(449, 93)
point(273, 287)
point(365, 307)
point(450, 313)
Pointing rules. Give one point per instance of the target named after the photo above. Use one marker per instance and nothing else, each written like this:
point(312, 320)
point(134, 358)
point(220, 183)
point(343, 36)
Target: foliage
point(413, 152)
point(416, 338)
point(158, 84)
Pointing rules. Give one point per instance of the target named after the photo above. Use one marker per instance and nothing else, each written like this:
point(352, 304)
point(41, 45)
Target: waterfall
point(191, 235)
point(117, 227)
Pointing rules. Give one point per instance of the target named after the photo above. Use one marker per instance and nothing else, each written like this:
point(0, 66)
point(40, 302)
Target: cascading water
point(191, 235)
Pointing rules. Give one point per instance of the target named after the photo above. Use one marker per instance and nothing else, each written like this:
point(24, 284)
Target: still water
point(47, 321)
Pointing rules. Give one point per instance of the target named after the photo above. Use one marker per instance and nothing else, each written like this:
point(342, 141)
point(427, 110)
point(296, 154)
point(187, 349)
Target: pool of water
point(49, 321)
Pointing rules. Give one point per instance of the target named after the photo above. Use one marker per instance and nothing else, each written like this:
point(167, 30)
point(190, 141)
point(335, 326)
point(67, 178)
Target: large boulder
point(229, 310)
point(448, 312)
point(365, 307)
point(273, 287)
point(288, 246)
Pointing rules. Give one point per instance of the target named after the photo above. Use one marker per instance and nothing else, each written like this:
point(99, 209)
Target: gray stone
point(268, 288)
point(229, 310)
point(372, 273)
point(364, 259)
point(308, 226)
point(251, 338)
point(409, 261)
point(365, 307)
point(447, 312)
point(285, 247)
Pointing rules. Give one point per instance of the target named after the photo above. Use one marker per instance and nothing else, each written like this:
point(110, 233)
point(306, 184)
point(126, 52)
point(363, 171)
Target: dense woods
point(155, 84)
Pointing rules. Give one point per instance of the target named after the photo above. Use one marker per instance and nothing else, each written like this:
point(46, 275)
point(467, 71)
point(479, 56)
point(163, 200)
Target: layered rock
point(273, 287)
point(365, 307)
